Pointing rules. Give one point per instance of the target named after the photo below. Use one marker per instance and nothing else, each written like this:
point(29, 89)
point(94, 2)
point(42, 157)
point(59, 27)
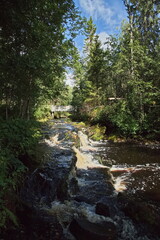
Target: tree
point(34, 50)
point(89, 32)
point(144, 43)
point(128, 70)
point(79, 89)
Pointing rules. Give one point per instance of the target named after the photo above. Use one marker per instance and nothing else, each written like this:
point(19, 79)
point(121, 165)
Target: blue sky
point(107, 16)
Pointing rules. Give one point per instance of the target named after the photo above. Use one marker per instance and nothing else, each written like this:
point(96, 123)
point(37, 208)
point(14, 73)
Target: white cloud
point(69, 79)
point(103, 39)
point(99, 9)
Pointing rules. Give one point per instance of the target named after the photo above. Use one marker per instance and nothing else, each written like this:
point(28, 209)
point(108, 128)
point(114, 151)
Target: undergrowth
point(18, 140)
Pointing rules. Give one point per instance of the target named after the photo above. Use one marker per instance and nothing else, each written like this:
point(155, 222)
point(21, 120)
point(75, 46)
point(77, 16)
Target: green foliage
point(99, 115)
point(37, 45)
point(89, 31)
point(122, 118)
point(119, 87)
point(116, 117)
point(18, 139)
point(112, 138)
point(11, 174)
point(43, 111)
point(19, 136)
point(97, 132)
point(6, 214)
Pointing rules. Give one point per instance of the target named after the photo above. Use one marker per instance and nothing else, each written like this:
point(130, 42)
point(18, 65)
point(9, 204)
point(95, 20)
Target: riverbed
point(91, 189)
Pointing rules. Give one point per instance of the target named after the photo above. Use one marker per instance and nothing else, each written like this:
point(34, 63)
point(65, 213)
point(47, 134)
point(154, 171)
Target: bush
point(123, 119)
point(116, 117)
point(97, 132)
point(18, 138)
point(11, 173)
point(42, 111)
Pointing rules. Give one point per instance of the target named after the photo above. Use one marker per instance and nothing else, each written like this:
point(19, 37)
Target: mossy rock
point(112, 138)
point(97, 132)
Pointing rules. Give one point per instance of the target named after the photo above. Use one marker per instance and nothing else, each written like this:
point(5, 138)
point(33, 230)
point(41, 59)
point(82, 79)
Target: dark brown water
point(136, 168)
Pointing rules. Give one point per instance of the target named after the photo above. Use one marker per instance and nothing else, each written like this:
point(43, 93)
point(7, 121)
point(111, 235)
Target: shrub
point(123, 119)
point(116, 117)
point(42, 111)
point(18, 138)
point(98, 132)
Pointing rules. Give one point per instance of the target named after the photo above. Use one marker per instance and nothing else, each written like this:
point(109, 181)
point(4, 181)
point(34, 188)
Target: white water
point(68, 210)
point(85, 154)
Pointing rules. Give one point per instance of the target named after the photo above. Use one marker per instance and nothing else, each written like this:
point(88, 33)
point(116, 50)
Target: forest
point(116, 87)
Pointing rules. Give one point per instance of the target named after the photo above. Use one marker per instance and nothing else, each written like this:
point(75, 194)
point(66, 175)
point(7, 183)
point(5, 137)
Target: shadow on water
point(138, 167)
point(130, 153)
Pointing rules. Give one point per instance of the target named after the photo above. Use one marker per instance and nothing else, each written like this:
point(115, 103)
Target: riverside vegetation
point(34, 54)
point(116, 87)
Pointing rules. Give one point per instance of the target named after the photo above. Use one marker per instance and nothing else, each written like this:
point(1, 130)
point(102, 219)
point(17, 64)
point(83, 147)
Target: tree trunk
point(6, 113)
point(24, 109)
point(131, 45)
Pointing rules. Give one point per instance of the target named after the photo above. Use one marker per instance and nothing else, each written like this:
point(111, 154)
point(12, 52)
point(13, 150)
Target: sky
point(107, 15)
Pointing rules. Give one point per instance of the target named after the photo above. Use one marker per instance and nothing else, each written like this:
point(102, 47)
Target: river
point(92, 190)
point(135, 167)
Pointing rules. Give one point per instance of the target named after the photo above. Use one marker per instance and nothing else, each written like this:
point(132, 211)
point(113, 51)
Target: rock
point(51, 181)
point(102, 209)
point(82, 199)
point(95, 184)
point(143, 212)
point(44, 226)
point(73, 186)
point(84, 229)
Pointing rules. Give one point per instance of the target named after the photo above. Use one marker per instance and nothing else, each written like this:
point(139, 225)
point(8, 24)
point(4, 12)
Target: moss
point(70, 136)
point(81, 124)
point(44, 120)
point(97, 132)
point(118, 139)
point(113, 138)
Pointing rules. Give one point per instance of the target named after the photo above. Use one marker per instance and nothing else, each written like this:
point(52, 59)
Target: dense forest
point(119, 87)
point(116, 87)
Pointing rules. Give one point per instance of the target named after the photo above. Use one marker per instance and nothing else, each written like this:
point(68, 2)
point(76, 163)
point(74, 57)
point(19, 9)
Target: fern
point(11, 216)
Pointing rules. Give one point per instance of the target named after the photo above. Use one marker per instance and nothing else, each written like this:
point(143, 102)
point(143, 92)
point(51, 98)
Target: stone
point(82, 199)
point(84, 229)
point(102, 209)
point(143, 212)
point(51, 181)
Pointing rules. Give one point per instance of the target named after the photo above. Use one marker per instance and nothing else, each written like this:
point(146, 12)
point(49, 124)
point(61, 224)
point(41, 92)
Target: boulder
point(102, 209)
point(143, 212)
point(51, 181)
point(84, 229)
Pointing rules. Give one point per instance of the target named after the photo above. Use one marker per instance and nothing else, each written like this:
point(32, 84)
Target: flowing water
point(136, 168)
point(92, 190)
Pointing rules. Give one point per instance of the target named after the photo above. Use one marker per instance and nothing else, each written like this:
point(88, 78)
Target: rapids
point(92, 190)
